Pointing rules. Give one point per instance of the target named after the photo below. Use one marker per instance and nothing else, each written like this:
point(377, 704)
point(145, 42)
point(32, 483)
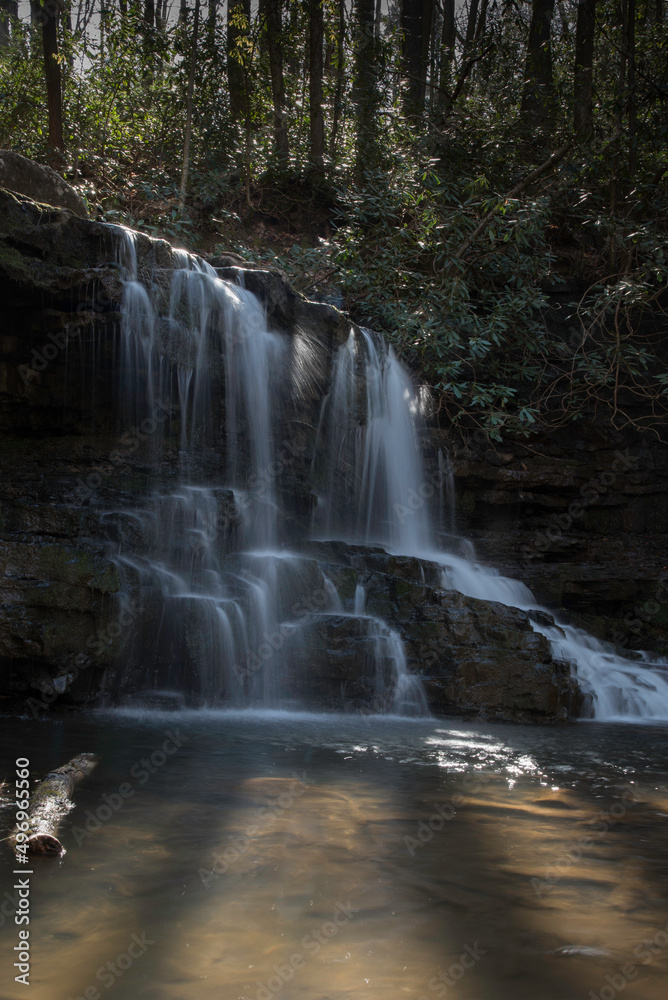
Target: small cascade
point(619, 687)
point(332, 593)
point(447, 495)
point(360, 599)
point(408, 696)
point(372, 450)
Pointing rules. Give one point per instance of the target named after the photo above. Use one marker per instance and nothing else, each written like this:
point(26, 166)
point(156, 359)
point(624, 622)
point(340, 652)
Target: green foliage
point(388, 231)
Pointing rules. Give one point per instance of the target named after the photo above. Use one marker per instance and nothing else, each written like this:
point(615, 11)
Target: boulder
point(42, 184)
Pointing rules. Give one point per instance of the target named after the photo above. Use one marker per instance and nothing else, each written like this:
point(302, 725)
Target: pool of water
point(245, 856)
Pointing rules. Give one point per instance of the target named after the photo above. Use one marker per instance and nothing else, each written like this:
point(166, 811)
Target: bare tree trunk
point(340, 77)
point(631, 99)
point(538, 97)
point(8, 9)
point(189, 111)
point(482, 22)
point(365, 87)
point(471, 23)
point(583, 93)
point(54, 93)
point(273, 10)
point(238, 20)
point(315, 90)
point(149, 13)
point(428, 12)
point(211, 22)
point(448, 41)
point(616, 194)
point(412, 27)
point(378, 18)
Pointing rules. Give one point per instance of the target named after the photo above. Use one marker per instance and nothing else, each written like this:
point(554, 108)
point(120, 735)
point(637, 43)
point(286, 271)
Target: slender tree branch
point(515, 191)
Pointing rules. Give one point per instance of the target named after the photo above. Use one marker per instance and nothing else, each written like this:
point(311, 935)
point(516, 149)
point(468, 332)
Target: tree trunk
point(428, 12)
point(54, 94)
point(49, 804)
point(189, 111)
point(273, 10)
point(8, 9)
point(211, 22)
point(583, 93)
point(471, 22)
point(149, 13)
point(538, 97)
point(412, 28)
point(631, 95)
point(315, 68)
point(365, 87)
point(448, 41)
point(340, 77)
point(238, 21)
point(482, 21)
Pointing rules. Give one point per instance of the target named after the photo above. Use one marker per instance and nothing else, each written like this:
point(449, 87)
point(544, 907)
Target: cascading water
point(218, 592)
point(374, 433)
point(619, 687)
point(217, 584)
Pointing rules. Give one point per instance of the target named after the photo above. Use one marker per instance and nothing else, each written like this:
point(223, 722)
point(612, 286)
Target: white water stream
point(225, 586)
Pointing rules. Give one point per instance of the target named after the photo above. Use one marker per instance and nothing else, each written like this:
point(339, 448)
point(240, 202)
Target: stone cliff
point(580, 516)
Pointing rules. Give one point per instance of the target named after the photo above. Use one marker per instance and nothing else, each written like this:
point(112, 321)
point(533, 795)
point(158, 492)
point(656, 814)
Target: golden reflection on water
point(334, 895)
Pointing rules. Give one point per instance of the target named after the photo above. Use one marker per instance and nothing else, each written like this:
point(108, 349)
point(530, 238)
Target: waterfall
point(218, 589)
point(207, 555)
point(375, 428)
point(369, 435)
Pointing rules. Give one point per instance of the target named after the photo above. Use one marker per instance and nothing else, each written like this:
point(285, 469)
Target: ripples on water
point(357, 858)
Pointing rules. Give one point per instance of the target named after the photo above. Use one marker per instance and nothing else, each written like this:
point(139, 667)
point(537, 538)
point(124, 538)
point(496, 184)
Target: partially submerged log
point(50, 803)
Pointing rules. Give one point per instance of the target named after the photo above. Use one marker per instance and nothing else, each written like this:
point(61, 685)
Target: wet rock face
point(475, 658)
point(581, 516)
point(67, 454)
point(69, 451)
point(42, 184)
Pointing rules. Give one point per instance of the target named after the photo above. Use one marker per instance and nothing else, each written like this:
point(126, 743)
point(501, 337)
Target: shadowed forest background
point(443, 171)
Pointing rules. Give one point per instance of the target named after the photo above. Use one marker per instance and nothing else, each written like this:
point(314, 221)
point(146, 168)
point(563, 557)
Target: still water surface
point(328, 857)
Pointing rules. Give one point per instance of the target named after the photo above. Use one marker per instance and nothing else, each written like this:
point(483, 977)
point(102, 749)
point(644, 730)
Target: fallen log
point(49, 804)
